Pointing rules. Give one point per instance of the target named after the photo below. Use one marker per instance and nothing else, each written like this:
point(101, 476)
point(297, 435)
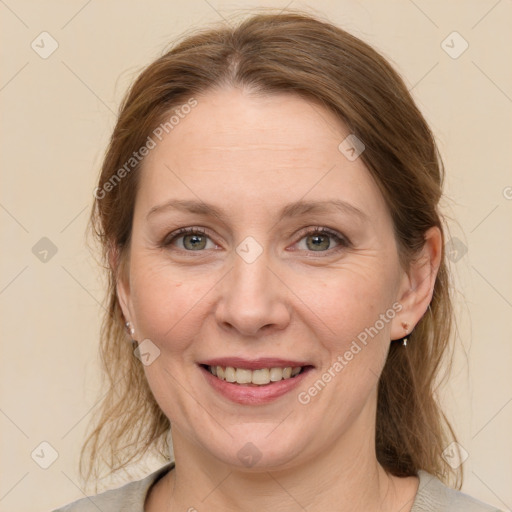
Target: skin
point(251, 155)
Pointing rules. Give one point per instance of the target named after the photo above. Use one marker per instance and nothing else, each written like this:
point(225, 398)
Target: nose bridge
point(250, 268)
point(251, 273)
point(251, 296)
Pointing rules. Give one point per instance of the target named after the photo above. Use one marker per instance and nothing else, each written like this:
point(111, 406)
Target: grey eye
point(318, 242)
point(194, 242)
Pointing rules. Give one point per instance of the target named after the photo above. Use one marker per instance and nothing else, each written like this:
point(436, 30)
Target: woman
point(268, 213)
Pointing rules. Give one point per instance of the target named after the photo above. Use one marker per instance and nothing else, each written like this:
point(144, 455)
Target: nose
point(253, 299)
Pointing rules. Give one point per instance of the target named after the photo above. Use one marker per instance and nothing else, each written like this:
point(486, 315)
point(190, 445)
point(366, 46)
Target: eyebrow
point(291, 210)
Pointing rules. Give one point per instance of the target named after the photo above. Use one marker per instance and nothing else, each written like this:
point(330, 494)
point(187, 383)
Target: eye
point(319, 239)
point(192, 239)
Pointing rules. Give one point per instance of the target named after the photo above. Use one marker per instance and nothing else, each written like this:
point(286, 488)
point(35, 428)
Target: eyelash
point(343, 242)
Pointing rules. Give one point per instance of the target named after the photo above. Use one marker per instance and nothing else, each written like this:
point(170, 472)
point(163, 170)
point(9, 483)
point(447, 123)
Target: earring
point(129, 328)
point(131, 332)
point(405, 326)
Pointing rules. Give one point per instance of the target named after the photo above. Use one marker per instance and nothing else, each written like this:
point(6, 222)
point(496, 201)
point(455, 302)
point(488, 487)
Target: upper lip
point(253, 364)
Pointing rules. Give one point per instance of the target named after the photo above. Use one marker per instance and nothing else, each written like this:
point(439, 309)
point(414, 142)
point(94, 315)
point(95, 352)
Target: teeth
point(276, 374)
point(230, 374)
point(259, 377)
point(243, 376)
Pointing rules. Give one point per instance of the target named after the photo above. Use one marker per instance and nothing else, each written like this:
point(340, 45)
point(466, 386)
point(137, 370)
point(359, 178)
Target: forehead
point(236, 146)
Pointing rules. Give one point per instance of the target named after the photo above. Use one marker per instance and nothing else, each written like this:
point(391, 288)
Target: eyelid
point(343, 241)
point(178, 233)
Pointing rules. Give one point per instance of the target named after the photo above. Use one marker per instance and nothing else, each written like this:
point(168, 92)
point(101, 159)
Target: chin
point(258, 450)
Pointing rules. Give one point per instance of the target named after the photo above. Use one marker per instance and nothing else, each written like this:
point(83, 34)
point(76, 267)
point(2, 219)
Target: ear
point(120, 268)
point(417, 284)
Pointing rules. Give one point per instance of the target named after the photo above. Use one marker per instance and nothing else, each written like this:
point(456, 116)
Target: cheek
point(347, 301)
point(166, 303)
point(353, 311)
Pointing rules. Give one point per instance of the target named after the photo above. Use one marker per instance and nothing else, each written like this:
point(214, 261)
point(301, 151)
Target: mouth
point(257, 377)
point(254, 382)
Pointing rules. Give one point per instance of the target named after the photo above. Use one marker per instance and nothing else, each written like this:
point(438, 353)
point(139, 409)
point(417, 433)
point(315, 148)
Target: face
point(259, 282)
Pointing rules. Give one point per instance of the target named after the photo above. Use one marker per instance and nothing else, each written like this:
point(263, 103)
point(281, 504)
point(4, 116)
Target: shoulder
point(434, 495)
point(129, 497)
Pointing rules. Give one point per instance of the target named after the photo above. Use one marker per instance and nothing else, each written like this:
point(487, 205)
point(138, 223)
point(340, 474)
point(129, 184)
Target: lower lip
point(254, 395)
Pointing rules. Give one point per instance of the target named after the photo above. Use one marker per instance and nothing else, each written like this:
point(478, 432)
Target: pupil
point(195, 241)
point(320, 241)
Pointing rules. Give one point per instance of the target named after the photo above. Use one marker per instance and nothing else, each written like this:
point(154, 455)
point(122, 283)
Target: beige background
point(57, 113)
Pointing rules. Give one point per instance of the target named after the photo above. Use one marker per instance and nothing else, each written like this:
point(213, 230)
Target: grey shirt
point(432, 496)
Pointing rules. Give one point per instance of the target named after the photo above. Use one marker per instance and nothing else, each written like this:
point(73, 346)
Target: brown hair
point(300, 54)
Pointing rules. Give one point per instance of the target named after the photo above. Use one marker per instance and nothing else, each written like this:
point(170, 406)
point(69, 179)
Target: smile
point(254, 382)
